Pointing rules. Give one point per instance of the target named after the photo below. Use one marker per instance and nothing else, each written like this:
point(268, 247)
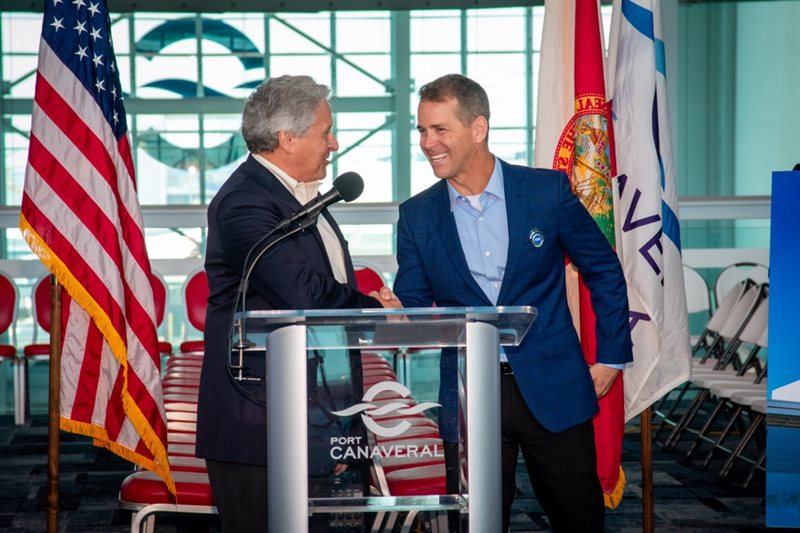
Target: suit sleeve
point(599, 266)
point(292, 275)
point(411, 284)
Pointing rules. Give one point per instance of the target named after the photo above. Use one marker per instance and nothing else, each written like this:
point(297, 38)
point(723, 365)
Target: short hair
point(285, 103)
point(471, 97)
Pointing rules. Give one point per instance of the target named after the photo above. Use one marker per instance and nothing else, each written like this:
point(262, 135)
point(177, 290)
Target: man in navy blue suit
point(287, 126)
point(490, 233)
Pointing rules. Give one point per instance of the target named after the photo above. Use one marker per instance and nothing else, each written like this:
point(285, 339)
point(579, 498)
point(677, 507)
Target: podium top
point(395, 328)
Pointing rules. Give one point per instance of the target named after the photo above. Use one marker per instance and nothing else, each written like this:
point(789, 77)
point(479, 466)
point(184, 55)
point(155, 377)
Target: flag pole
point(53, 409)
point(647, 471)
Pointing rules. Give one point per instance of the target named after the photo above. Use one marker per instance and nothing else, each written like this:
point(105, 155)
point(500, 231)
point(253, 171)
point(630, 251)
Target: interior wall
point(767, 99)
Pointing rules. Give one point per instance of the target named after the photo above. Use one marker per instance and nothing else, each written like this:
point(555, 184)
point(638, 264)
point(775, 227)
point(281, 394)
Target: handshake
point(387, 298)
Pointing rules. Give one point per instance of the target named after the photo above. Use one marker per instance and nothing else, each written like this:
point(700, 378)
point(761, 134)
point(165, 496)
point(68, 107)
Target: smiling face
point(455, 150)
point(310, 153)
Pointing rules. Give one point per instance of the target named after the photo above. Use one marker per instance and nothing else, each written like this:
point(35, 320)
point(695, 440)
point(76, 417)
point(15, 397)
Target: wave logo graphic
point(371, 410)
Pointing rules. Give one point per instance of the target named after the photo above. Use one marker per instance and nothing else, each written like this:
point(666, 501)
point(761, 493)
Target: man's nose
point(427, 140)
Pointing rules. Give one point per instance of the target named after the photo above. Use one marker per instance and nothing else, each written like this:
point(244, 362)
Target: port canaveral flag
point(573, 134)
point(81, 216)
point(647, 209)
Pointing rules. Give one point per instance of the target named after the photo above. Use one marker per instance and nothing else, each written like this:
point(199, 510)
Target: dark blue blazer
point(548, 365)
point(297, 275)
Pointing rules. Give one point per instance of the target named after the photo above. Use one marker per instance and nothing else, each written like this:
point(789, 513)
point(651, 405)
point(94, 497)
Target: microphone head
point(349, 186)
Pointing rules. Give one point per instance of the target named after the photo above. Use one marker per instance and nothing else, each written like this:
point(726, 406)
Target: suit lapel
point(517, 207)
point(445, 226)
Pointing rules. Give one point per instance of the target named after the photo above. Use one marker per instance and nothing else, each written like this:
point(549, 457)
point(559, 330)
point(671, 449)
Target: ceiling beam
point(276, 6)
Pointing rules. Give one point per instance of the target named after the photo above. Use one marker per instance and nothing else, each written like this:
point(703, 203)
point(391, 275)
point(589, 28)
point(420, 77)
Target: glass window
point(15, 141)
point(363, 32)
point(435, 31)
point(496, 30)
point(299, 33)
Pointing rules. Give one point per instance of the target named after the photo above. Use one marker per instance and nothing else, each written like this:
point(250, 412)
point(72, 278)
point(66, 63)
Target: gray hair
point(285, 103)
point(471, 97)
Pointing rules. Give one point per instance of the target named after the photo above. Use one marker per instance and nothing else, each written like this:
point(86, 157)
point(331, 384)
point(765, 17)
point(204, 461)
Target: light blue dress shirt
point(483, 231)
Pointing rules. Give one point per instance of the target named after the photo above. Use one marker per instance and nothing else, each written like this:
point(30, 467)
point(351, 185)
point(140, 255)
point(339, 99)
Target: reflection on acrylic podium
point(350, 448)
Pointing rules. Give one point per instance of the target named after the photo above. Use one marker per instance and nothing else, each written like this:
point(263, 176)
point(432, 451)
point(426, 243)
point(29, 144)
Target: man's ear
point(480, 129)
point(286, 141)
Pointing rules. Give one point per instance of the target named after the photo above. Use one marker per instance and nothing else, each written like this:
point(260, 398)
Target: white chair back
point(723, 311)
point(741, 313)
point(733, 274)
point(757, 325)
point(697, 293)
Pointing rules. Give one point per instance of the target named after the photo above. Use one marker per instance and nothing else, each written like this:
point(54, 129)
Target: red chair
point(145, 495)
point(41, 314)
point(9, 305)
point(195, 303)
point(160, 298)
point(368, 278)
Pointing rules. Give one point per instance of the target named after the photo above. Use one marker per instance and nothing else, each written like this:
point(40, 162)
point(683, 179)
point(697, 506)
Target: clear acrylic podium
point(293, 341)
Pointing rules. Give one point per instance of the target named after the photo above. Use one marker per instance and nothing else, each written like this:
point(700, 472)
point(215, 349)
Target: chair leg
point(408, 522)
point(666, 419)
point(733, 418)
point(683, 423)
point(743, 442)
point(706, 427)
point(378, 522)
point(758, 464)
point(21, 405)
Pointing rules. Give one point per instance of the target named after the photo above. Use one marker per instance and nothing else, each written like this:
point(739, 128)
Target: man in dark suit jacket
point(491, 233)
point(287, 127)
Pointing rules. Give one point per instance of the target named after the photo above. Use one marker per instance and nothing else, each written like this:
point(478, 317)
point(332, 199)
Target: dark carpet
point(686, 497)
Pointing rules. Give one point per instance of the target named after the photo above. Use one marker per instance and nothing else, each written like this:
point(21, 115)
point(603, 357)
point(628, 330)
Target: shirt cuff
point(618, 366)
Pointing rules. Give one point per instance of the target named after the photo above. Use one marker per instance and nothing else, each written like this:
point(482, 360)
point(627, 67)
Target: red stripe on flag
point(589, 78)
point(86, 391)
point(141, 395)
point(141, 449)
point(124, 149)
point(115, 412)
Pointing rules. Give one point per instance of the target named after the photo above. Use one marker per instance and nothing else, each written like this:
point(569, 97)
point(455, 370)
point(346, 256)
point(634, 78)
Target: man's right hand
point(387, 298)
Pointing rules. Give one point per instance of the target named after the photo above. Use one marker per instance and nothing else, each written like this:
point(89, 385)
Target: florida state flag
point(573, 134)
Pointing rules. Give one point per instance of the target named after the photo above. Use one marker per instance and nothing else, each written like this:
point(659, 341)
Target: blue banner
point(783, 392)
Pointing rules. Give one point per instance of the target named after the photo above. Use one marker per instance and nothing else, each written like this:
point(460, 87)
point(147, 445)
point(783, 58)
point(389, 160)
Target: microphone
point(347, 187)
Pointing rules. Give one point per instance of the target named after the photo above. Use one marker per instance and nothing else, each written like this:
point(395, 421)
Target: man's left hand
point(603, 378)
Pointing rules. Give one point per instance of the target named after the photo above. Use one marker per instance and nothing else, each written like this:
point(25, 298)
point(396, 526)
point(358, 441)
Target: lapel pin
point(537, 238)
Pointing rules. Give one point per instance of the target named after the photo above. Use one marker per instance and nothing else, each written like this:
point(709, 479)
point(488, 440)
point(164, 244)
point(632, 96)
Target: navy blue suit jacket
point(548, 365)
point(297, 275)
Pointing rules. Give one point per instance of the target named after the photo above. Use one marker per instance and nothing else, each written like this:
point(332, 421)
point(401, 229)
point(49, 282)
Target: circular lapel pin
point(537, 238)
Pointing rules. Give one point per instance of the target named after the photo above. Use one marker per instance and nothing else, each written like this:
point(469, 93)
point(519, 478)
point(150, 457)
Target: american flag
point(81, 216)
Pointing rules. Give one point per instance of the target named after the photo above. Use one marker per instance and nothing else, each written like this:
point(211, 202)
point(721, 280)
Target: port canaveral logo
point(369, 410)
